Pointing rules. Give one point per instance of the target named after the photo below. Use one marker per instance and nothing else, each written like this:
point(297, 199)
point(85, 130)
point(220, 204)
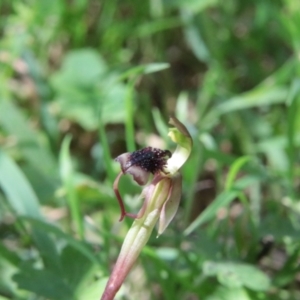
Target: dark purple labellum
point(149, 159)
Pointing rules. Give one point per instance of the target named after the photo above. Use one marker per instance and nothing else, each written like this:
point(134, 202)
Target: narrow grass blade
point(67, 175)
point(233, 172)
point(210, 212)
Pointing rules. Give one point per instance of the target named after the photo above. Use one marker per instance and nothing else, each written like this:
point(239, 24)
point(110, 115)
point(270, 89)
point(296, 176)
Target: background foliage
point(82, 81)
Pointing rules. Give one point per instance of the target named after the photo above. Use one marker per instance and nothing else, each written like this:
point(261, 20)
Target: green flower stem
point(137, 236)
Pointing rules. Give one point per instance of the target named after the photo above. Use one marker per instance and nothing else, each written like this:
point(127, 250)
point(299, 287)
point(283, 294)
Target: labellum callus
point(140, 164)
point(150, 159)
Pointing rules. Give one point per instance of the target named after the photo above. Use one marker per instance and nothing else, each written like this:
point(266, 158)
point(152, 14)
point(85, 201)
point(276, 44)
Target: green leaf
point(158, 25)
point(56, 231)
point(293, 125)
point(194, 6)
point(9, 256)
point(225, 293)
point(67, 176)
point(76, 266)
point(260, 96)
point(44, 283)
point(93, 288)
point(17, 189)
point(23, 200)
point(233, 172)
point(210, 212)
point(83, 67)
point(233, 275)
point(86, 91)
point(160, 123)
point(224, 199)
point(30, 144)
point(143, 69)
point(194, 37)
point(155, 67)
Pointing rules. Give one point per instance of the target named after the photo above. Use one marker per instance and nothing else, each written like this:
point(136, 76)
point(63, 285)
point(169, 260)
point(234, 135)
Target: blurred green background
point(83, 81)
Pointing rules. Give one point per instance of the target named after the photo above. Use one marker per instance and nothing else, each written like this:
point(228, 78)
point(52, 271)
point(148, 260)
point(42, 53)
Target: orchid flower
point(162, 197)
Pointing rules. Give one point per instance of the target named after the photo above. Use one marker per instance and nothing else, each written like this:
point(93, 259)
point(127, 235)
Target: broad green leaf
point(225, 293)
point(58, 233)
point(33, 147)
point(80, 67)
point(93, 288)
point(43, 183)
point(87, 91)
point(76, 266)
point(274, 149)
point(17, 189)
point(9, 256)
point(24, 202)
point(43, 283)
point(7, 285)
point(234, 275)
